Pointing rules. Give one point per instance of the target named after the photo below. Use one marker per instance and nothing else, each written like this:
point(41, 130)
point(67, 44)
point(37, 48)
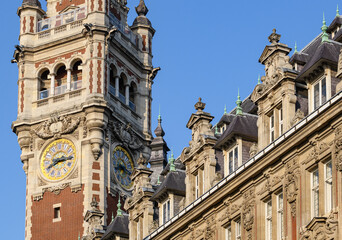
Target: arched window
point(112, 75)
point(61, 80)
point(132, 96)
point(122, 83)
point(76, 75)
point(44, 84)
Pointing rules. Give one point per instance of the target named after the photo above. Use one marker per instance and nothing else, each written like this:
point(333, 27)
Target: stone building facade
point(269, 169)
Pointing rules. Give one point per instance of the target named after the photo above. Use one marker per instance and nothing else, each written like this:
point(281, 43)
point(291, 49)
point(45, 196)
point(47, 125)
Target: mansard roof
point(173, 182)
point(320, 51)
point(119, 226)
point(242, 125)
point(337, 21)
point(178, 164)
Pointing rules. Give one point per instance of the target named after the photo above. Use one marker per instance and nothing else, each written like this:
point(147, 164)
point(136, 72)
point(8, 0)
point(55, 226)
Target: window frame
point(166, 209)
point(280, 216)
point(328, 184)
point(314, 193)
point(238, 229)
point(272, 126)
point(268, 219)
point(320, 93)
point(233, 160)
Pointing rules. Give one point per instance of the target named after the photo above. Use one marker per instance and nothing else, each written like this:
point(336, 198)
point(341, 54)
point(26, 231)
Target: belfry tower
point(84, 111)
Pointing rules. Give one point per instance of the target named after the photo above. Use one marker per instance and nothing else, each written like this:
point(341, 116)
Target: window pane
point(230, 162)
point(269, 220)
point(236, 158)
point(324, 91)
point(229, 233)
point(315, 193)
point(280, 216)
point(328, 187)
point(316, 96)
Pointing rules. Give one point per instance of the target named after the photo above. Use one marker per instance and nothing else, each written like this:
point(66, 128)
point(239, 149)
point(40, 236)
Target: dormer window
point(272, 127)
point(281, 125)
point(319, 93)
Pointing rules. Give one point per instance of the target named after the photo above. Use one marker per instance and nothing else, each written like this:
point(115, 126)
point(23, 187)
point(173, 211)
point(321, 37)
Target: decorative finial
point(337, 12)
point(238, 105)
point(141, 9)
point(259, 80)
point(274, 38)
point(94, 204)
point(141, 161)
point(296, 50)
point(159, 116)
point(216, 130)
point(79, 238)
point(199, 106)
point(225, 109)
point(112, 216)
point(159, 182)
point(172, 162)
point(325, 36)
point(119, 211)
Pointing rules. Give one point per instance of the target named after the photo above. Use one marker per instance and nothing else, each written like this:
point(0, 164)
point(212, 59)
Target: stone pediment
point(197, 116)
point(69, 8)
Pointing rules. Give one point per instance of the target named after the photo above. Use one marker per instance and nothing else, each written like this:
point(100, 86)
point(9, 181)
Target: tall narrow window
point(196, 185)
point(328, 187)
point(315, 193)
point(57, 212)
point(203, 179)
point(268, 220)
point(138, 230)
point(238, 230)
point(166, 211)
point(320, 93)
point(281, 128)
point(280, 216)
point(272, 128)
point(233, 160)
point(230, 162)
point(229, 233)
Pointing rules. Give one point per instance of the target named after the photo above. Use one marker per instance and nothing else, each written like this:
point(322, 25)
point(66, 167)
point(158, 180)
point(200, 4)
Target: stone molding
point(291, 183)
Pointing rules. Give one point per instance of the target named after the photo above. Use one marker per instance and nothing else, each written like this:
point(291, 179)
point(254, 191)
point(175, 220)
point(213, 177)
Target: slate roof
point(243, 125)
point(173, 182)
point(178, 164)
point(32, 3)
point(337, 21)
point(119, 226)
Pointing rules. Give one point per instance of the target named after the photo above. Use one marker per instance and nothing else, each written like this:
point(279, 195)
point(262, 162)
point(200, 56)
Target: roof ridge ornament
point(296, 50)
point(238, 104)
point(325, 36)
point(259, 80)
point(141, 9)
point(225, 109)
point(337, 12)
point(274, 38)
point(172, 162)
point(119, 211)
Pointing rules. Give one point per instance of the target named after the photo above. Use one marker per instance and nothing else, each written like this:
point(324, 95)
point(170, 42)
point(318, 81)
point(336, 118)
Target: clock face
point(58, 159)
point(123, 167)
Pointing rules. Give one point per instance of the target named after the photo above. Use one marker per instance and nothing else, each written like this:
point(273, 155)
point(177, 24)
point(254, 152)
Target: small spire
point(112, 216)
point(325, 36)
point(225, 109)
point(238, 104)
point(159, 182)
point(172, 162)
point(259, 80)
point(119, 212)
point(141, 9)
point(337, 12)
point(79, 238)
point(296, 50)
point(216, 130)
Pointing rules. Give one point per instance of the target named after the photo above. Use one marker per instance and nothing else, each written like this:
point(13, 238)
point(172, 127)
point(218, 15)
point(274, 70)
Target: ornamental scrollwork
point(56, 189)
point(338, 148)
point(247, 213)
point(291, 183)
point(125, 134)
point(56, 126)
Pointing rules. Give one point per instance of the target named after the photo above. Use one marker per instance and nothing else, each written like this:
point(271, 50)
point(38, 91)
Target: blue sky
point(206, 49)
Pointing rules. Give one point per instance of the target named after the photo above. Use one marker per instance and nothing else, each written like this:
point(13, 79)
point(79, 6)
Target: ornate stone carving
point(291, 183)
point(247, 212)
point(37, 197)
point(210, 230)
point(74, 175)
point(76, 188)
point(253, 150)
point(56, 189)
point(126, 135)
point(41, 182)
point(299, 115)
point(321, 228)
point(153, 226)
point(338, 148)
point(56, 126)
point(267, 186)
point(230, 210)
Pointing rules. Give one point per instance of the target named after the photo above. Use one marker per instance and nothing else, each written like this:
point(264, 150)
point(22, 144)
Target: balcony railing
point(124, 29)
point(112, 90)
point(132, 106)
point(122, 98)
point(61, 19)
point(61, 89)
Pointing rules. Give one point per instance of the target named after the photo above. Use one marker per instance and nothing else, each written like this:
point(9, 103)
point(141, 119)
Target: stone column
point(127, 94)
point(52, 84)
point(68, 79)
point(117, 86)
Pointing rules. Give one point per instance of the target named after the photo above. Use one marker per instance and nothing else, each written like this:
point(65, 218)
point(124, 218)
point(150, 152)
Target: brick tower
point(84, 111)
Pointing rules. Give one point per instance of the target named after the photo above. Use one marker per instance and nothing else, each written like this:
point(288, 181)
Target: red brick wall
point(112, 208)
point(65, 3)
point(71, 216)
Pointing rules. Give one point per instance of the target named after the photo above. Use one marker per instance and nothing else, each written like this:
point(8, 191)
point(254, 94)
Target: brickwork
point(112, 208)
point(65, 56)
point(71, 212)
point(65, 3)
